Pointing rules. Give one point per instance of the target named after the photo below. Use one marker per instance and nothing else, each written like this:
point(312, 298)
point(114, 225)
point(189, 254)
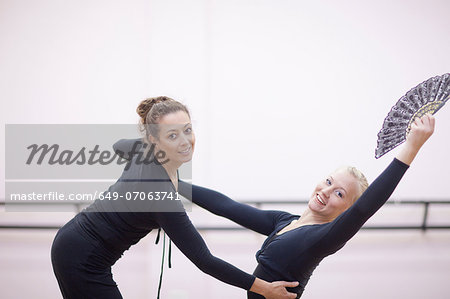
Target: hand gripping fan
point(427, 97)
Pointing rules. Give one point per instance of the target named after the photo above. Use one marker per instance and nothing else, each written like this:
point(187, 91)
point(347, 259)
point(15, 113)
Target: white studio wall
point(300, 88)
point(280, 91)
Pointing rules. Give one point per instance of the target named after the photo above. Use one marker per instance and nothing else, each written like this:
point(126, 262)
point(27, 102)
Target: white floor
point(382, 264)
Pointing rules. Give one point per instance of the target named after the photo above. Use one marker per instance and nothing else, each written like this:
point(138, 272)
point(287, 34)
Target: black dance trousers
point(82, 266)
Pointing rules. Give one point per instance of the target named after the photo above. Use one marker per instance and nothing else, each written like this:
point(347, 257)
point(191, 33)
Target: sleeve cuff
point(400, 163)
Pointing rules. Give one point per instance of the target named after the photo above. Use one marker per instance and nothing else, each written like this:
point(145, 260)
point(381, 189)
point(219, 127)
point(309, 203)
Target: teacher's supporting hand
point(274, 290)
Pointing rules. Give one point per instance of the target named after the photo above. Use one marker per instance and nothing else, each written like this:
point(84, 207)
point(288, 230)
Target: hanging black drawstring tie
point(162, 261)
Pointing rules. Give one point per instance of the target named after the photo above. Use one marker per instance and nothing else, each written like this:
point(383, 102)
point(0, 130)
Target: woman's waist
point(265, 273)
point(106, 235)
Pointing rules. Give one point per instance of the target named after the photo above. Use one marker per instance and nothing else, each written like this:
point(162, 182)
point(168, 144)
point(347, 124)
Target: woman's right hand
point(421, 129)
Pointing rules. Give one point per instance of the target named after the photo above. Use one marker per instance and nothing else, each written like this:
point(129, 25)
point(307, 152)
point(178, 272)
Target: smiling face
point(175, 137)
point(334, 195)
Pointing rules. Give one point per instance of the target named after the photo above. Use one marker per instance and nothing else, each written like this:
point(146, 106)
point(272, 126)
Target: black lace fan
point(427, 97)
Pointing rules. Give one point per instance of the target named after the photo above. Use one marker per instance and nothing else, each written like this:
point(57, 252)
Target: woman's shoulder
point(144, 169)
point(286, 217)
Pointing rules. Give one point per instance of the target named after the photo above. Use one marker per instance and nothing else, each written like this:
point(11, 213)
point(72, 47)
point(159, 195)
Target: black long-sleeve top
point(293, 255)
point(120, 223)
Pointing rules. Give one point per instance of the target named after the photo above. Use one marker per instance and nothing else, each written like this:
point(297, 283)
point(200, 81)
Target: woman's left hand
point(278, 290)
point(274, 290)
point(421, 129)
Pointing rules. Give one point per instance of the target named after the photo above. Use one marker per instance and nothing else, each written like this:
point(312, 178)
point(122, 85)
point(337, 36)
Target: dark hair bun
point(146, 105)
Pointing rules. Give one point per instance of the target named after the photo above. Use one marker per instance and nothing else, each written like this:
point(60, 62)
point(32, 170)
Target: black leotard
point(87, 246)
point(293, 255)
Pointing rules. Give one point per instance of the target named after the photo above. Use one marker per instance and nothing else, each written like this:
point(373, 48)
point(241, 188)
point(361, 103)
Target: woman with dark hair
point(86, 247)
point(337, 209)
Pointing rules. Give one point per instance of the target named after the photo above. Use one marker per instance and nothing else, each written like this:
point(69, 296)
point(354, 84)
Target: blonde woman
point(338, 207)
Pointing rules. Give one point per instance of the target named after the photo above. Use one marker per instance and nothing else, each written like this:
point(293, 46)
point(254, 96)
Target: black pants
point(82, 266)
point(260, 273)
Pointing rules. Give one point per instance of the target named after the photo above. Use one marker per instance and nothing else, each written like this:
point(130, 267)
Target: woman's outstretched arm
point(261, 221)
point(348, 223)
point(184, 235)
